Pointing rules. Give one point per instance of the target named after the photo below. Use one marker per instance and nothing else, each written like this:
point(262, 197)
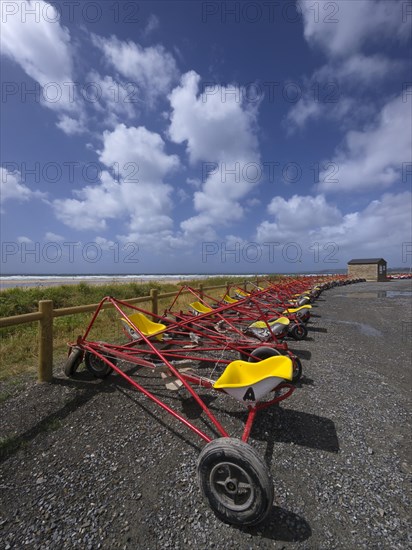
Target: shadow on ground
point(317, 329)
point(87, 387)
point(281, 525)
point(299, 428)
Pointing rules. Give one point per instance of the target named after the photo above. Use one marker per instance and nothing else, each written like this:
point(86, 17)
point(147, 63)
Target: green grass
point(15, 301)
point(19, 344)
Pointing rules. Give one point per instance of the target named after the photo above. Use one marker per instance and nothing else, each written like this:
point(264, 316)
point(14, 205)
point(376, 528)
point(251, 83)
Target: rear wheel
point(297, 368)
point(264, 352)
point(235, 481)
point(73, 362)
point(298, 331)
point(97, 366)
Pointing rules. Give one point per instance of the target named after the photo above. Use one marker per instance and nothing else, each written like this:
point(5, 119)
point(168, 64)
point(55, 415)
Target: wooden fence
point(46, 313)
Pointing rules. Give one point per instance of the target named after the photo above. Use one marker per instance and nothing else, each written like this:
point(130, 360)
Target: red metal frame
point(178, 335)
point(127, 352)
point(240, 315)
point(237, 316)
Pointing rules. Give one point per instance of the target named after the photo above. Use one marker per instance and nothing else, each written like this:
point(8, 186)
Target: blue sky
point(191, 137)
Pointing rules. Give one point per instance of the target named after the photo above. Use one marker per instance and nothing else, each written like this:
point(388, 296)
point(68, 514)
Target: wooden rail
point(46, 313)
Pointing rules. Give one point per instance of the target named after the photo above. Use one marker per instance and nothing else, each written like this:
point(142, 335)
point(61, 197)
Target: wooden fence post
point(245, 286)
point(45, 372)
point(201, 294)
point(153, 296)
point(227, 287)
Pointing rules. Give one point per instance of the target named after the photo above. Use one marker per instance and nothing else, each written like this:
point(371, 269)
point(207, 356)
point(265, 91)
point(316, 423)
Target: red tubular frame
point(156, 400)
point(186, 379)
point(219, 427)
point(253, 312)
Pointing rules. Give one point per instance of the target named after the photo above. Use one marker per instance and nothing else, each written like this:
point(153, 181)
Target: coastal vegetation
point(19, 344)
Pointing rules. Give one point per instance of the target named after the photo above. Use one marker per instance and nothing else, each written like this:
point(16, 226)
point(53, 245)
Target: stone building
point(371, 269)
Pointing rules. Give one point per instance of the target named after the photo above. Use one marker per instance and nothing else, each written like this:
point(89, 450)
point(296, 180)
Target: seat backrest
point(250, 381)
point(145, 325)
point(198, 308)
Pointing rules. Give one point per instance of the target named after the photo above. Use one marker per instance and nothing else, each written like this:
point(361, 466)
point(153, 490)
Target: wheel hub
point(232, 486)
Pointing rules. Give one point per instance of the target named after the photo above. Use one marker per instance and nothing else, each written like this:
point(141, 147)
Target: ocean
point(13, 281)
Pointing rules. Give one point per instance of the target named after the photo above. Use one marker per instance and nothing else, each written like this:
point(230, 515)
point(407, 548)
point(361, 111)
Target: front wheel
point(235, 481)
point(97, 366)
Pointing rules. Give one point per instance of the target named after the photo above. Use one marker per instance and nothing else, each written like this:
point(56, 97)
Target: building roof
point(366, 261)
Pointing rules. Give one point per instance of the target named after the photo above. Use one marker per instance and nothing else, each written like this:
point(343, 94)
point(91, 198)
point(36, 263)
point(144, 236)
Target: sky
point(205, 137)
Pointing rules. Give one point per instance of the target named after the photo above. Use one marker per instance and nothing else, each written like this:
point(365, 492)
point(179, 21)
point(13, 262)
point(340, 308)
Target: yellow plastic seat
point(295, 309)
point(198, 308)
point(145, 325)
point(229, 300)
point(241, 292)
point(250, 381)
point(261, 324)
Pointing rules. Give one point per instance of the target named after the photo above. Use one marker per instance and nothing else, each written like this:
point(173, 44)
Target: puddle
point(377, 294)
point(362, 327)
point(368, 330)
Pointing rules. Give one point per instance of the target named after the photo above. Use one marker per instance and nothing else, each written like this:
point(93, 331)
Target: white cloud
point(24, 240)
point(342, 27)
point(104, 244)
point(11, 187)
point(358, 70)
point(135, 192)
point(330, 85)
point(115, 99)
point(53, 237)
point(153, 69)
point(194, 182)
point(71, 126)
point(382, 225)
point(253, 202)
point(310, 109)
point(377, 230)
point(302, 209)
point(41, 46)
point(374, 158)
point(152, 24)
point(215, 125)
point(182, 194)
point(217, 129)
point(137, 153)
point(296, 217)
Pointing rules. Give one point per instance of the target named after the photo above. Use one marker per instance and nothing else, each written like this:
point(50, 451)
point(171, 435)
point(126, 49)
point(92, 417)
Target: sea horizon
point(39, 280)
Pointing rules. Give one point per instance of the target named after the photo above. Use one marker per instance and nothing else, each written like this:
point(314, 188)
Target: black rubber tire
point(73, 362)
point(222, 465)
point(297, 369)
point(96, 366)
point(259, 354)
point(298, 331)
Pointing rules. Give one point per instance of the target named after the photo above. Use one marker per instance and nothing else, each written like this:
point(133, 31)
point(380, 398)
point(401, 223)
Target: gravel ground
point(93, 464)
